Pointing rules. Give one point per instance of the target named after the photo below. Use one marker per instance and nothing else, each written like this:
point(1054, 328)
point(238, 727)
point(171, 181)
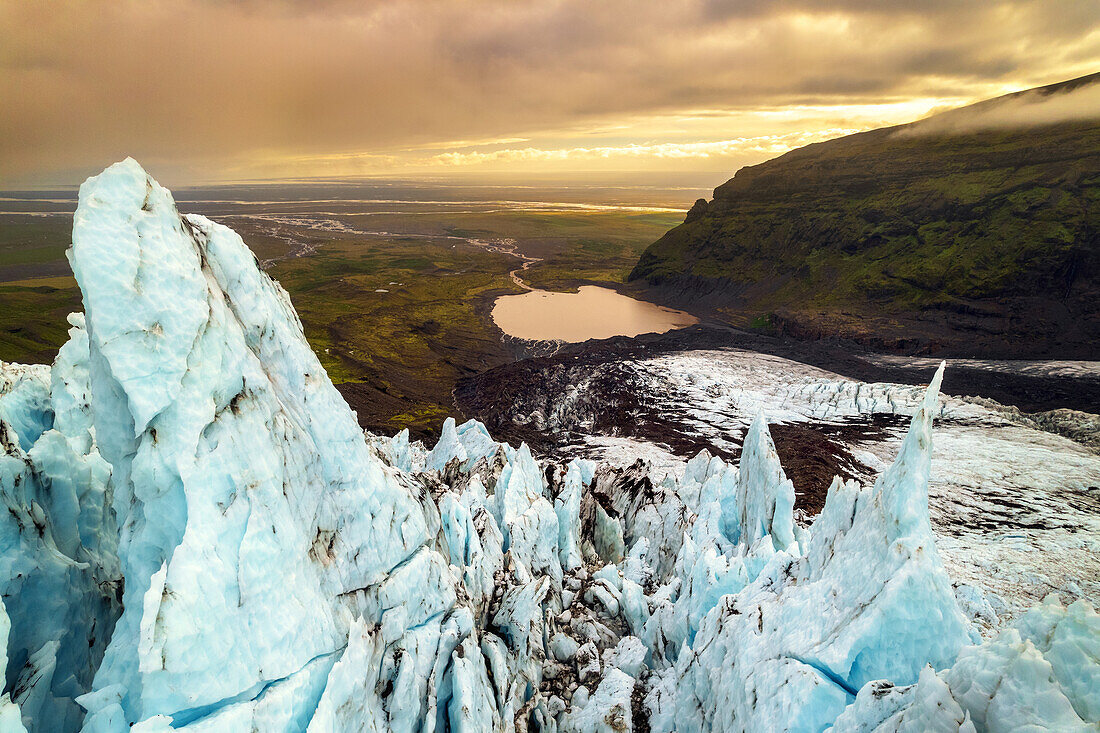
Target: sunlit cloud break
point(771, 144)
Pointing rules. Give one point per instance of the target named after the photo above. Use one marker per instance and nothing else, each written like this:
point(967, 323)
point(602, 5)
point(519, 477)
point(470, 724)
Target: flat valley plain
point(394, 281)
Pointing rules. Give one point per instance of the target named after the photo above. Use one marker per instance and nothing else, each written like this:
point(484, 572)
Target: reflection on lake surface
point(591, 313)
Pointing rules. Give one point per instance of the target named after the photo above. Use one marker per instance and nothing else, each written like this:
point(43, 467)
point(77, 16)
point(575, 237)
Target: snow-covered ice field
point(1016, 510)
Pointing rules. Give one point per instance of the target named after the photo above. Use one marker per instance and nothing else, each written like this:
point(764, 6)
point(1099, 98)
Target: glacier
point(1012, 497)
point(199, 537)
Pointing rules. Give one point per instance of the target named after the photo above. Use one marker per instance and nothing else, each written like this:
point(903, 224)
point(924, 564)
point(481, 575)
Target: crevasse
point(200, 537)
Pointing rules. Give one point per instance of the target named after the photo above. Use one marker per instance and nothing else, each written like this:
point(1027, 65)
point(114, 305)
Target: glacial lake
point(591, 313)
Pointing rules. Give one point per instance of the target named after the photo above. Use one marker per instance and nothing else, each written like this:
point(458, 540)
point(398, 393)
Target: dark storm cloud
point(208, 85)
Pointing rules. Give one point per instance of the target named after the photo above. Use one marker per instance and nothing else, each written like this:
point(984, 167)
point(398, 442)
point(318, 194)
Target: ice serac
point(246, 497)
point(58, 572)
point(881, 567)
point(1038, 675)
point(764, 503)
point(870, 600)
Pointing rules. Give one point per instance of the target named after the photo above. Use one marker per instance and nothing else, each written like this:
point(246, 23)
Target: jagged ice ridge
point(198, 536)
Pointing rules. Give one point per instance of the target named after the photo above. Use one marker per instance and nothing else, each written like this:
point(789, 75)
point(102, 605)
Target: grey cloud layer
point(86, 82)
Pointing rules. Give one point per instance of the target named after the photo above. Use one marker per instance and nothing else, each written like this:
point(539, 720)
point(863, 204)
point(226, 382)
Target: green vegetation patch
point(882, 224)
point(32, 319)
point(396, 320)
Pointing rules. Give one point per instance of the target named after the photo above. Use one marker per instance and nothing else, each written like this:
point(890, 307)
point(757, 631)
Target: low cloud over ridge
point(1025, 109)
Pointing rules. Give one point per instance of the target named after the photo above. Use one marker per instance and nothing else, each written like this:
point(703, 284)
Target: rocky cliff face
point(978, 241)
point(198, 537)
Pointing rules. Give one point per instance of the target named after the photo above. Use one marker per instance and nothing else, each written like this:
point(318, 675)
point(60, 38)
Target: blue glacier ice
point(199, 537)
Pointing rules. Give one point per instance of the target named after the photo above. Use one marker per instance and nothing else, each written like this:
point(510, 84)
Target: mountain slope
point(965, 230)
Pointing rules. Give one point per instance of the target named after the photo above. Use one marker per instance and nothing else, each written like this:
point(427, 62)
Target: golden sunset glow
point(209, 90)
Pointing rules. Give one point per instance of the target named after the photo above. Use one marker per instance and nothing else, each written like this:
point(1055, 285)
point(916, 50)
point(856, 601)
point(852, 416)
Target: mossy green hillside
point(1001, 225)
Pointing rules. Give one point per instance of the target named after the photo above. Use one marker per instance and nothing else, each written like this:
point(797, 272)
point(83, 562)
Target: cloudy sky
point(216, 90)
